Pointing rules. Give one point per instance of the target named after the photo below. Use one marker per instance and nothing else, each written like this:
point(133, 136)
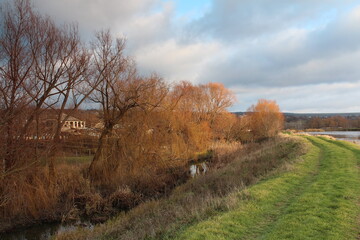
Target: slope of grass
point(318, 199)
point(200, 198)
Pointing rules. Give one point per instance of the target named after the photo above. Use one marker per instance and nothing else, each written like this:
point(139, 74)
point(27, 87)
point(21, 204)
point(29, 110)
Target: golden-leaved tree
point(266, 119)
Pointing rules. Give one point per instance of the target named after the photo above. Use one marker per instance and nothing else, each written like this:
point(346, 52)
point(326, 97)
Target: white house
point(70, 122)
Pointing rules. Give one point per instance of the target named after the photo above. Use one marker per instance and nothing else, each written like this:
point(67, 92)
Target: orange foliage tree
point(266, 120)
point(205, 103)
point(217, 99)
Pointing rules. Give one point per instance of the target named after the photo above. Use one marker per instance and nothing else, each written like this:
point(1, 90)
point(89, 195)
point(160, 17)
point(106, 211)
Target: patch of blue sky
point(321, 21)
point(328, 16)
point(190, 9)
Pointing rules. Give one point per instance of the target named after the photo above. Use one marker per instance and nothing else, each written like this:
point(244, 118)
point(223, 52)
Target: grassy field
point(317, 199)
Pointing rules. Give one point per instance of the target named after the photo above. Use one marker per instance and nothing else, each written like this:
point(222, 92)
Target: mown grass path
point(317, 199)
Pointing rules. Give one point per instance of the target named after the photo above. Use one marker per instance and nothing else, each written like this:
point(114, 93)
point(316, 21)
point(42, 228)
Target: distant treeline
point(339, 122)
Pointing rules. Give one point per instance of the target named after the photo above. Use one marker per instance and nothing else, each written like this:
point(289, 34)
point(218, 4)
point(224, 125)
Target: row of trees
point(325, 122)
point(148, 125)
point(333, 122)
point(46, 67)
point(164, 127)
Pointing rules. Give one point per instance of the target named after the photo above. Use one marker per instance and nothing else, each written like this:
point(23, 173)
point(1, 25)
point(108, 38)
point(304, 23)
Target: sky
point(305, 54)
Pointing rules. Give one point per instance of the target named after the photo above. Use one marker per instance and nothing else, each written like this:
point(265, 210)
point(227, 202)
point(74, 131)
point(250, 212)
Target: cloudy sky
point(305, 54)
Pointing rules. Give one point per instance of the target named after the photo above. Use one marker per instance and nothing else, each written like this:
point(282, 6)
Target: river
point(351, 136)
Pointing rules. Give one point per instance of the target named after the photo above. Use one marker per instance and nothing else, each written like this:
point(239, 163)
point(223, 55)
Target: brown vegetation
point(150, 129)
point(336, 122)
point(323, 122)
point(199, 198)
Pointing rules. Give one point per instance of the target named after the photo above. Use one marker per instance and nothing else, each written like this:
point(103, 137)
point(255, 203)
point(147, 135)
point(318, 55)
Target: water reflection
point(351, 136)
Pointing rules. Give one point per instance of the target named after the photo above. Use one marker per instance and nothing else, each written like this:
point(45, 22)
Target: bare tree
point(217, 99)
point(42, 66)
point(120, 90)
point(16, 65)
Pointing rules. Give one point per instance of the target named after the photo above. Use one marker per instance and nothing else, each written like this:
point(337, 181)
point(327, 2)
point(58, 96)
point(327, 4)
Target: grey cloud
point(325, 98)
point(140, 21)
point(176, 61)
point(295, 56)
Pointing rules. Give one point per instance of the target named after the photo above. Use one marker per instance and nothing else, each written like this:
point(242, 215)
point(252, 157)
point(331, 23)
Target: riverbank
point(312, 196)
point(350, 136)
point(329, 129)
point(200, 198)
point(317, 199)
point(89, 205)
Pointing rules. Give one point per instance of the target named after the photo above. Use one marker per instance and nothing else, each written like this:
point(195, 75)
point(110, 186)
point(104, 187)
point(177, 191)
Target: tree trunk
point(94, 169)
point(9, 154)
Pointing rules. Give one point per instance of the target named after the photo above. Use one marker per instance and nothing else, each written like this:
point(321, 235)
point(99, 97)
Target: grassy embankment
point(201, 198)
point(318, 199)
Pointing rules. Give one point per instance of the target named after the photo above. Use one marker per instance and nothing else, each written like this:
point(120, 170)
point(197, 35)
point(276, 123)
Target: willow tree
point(120, 90)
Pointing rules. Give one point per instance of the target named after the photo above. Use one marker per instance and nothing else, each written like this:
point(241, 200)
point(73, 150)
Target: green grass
point(317, 199)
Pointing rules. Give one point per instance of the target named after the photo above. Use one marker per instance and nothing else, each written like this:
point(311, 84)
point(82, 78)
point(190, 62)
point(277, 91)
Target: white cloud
point(93, 15)
point(176, 61)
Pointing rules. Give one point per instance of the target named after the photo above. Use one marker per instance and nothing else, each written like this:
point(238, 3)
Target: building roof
point(65, 117)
